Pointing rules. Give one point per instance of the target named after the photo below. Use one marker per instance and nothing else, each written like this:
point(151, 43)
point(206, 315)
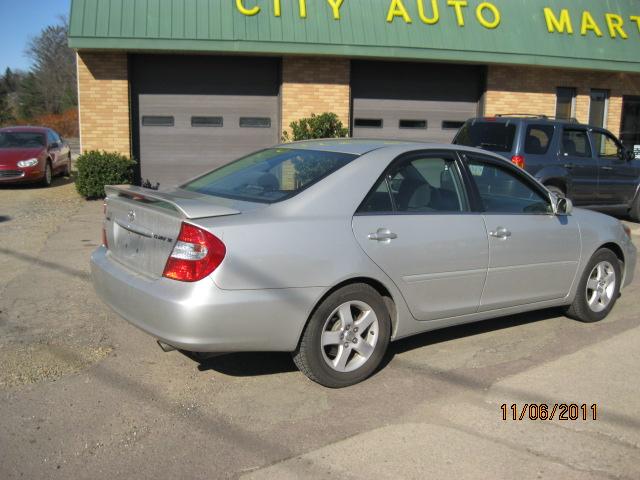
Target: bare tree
point(54, 68)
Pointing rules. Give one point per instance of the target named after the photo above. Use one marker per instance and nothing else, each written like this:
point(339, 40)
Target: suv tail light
point(197, 254)
point(518, 160)
point(105, 243)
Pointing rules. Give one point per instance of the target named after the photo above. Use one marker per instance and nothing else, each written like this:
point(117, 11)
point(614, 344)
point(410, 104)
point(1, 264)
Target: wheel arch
point(615, 248)
point(387, 297)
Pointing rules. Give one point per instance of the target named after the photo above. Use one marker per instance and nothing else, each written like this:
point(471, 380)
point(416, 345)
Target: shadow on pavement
point(55, 183)
point(271, 363)
point(4, 218)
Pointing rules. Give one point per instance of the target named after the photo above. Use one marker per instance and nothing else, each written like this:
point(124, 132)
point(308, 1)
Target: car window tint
point(505, 191)
point(493, 136)
point(575, 143)
point(538, 139)
point(605, 145)
point(420, 185)
point(270, 175)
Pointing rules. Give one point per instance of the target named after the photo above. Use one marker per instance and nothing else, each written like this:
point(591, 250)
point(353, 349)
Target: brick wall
point(315, 85)
point(513, 89)
point(103, 90)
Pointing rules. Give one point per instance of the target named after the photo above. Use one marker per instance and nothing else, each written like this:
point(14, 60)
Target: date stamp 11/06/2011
point(549, 412)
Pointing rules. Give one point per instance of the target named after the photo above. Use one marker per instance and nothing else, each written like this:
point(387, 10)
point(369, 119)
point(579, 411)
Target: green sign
point(590, 34)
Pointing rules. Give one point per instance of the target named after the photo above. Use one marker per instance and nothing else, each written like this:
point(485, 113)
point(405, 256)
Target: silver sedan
point(332, 249)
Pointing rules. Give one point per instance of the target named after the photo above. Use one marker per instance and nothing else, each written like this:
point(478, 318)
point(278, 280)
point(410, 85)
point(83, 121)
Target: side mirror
point(629, 155)
point(53, 146)
point(561, 205)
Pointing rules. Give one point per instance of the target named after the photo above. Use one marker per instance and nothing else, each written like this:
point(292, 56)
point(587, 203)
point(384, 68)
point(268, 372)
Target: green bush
point(325, 125)
point(97, 169)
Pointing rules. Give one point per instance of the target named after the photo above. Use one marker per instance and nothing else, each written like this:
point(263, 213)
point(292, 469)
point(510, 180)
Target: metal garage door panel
point(442, 95)
point(392, 112)
point(172, 154)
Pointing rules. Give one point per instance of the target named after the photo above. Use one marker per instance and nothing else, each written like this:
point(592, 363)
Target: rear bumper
point(199, 316)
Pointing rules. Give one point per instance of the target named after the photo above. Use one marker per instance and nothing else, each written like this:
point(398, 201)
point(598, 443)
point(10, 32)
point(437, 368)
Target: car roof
point(363, 146)
point(347, 145)
point(25, 129)
point(528, 119)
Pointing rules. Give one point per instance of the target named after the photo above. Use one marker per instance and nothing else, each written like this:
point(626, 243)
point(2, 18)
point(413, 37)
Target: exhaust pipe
point(166, 347)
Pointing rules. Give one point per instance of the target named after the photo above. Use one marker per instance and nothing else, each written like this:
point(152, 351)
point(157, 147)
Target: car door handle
point(383, 235)
point(606, 168)
point(569, 166)
point(501, 233)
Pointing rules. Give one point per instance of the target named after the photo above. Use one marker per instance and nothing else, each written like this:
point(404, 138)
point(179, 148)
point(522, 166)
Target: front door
point(618, 177)
point(582, 167)
point(533, 254)
point(417, 227)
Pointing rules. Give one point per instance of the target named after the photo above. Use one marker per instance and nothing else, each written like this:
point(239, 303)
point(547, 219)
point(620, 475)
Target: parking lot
point(85, 395)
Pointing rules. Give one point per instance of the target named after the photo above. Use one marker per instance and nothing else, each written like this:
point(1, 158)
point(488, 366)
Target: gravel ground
point(43, 333)
point(83, 394)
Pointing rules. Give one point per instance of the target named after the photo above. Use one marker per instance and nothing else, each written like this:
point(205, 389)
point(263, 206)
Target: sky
point(22, 20)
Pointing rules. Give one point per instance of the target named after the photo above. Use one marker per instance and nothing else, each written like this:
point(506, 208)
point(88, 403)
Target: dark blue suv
point(589, 165)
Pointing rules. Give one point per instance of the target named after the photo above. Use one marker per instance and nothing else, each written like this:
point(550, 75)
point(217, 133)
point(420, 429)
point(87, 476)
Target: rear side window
point(493, 136)
point(270, 175)
point(420, 184)
point(538, 139)
point(575, 143)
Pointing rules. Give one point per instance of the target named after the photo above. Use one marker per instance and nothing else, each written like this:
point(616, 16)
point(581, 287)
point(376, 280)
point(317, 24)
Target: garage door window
point(255, 122)
point(207, 122)
point(414, 124)
point(157, 121)
point(368, 123)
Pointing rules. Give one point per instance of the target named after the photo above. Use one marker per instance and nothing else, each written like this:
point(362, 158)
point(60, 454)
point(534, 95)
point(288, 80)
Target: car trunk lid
point(142, 225)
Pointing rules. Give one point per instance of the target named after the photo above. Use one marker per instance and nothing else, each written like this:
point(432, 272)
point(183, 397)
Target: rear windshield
point(21, 140)
point(270, 175)
point(493, 136)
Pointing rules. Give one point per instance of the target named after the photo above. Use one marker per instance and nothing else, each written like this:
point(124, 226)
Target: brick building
point(185, 85)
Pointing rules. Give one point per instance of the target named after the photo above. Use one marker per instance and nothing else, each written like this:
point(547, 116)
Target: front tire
point(48, 175)
point(599, 288)
point(345, 338)
point(67, 168)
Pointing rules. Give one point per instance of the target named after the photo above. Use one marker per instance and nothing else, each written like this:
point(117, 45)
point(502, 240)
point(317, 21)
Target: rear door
point(618, 178)
point(416, 226)
point(582, 166)
point(533, 254)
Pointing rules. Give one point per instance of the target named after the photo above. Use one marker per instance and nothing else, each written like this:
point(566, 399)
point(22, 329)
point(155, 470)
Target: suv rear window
point(493, 136)
point(271, 175)
point(538, 139)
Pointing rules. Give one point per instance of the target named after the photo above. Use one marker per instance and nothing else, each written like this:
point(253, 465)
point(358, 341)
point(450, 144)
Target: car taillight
point(105, 243)
point(197, 254)
point(518, 160)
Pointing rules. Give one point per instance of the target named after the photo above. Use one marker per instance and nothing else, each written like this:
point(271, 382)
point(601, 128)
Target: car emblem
point(131, 216)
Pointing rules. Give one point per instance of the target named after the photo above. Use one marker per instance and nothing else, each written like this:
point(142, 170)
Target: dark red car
point(32, 154)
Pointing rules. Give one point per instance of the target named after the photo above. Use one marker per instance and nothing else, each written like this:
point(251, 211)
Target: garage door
point(413, 101)
point(195, 113)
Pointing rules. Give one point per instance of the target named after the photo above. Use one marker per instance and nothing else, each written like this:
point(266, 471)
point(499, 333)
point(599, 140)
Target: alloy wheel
point(601, 286)
point(349, 336)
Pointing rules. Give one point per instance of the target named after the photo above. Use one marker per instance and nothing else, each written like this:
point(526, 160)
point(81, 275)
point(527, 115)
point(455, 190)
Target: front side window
point(270, 175)
point(605, 145)
point(505, 191)
point(420, 184)
point(538, 139)
point(575, 143)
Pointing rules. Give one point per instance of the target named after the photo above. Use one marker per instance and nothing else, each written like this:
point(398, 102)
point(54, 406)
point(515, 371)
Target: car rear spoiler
point(187, 204)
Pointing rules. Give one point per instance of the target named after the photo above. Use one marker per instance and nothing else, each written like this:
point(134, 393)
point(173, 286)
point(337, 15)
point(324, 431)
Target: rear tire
point(599, 288)
point(634, 211)
point(346, 337)
point(67, 168)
